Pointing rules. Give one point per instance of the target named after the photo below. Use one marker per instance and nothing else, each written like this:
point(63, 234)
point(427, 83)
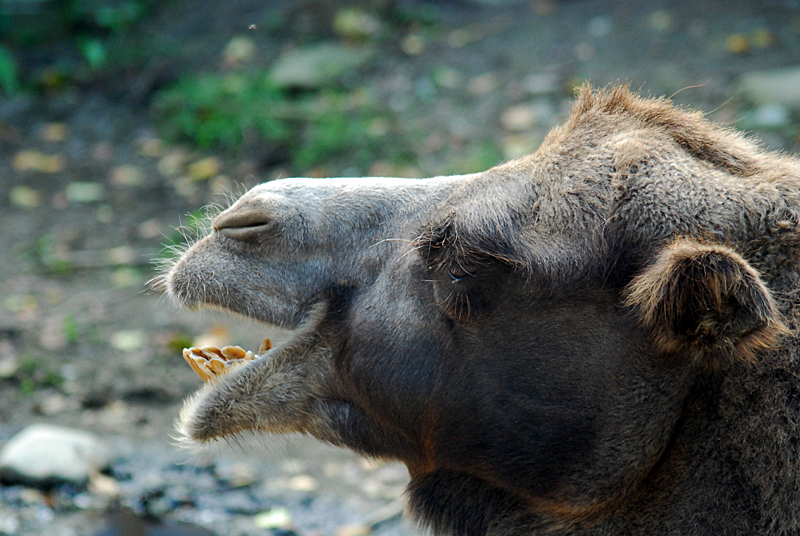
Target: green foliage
point(413, 14)
point(223, 110)
point(33, 375)
point(227, 111)
point(70, 329)
point(118, 16)
point(50, 257)
point(334, 134)
point(482, 157)
point(97, 28)
point(194, 228)
point(9, 81)
point(107, 15)
point(178, 342)
point(95, 52)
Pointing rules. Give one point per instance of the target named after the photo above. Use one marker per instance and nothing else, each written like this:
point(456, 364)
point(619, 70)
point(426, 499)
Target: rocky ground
point(90, 189)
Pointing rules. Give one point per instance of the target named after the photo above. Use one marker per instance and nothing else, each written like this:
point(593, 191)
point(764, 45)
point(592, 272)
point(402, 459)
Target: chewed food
point(210, 362)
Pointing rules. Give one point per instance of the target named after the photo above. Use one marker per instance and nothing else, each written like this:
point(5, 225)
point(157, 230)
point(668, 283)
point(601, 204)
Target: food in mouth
point(211, 363)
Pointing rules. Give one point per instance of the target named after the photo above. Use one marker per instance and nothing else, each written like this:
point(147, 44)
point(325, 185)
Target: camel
point(598, 338)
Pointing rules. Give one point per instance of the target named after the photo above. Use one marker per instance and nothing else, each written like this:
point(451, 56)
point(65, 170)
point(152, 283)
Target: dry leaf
point(37, 161)
point(25, 197)
point(205, 169)
point(55, 132)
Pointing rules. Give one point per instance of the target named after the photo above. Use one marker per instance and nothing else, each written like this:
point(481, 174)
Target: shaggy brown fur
point(597, 339)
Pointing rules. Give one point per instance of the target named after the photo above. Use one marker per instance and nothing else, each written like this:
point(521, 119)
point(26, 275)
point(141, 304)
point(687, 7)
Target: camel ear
point(707, 302)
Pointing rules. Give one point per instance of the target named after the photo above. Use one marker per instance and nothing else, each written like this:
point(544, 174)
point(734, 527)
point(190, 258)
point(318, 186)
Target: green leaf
point(9, 81)
point(94, 52)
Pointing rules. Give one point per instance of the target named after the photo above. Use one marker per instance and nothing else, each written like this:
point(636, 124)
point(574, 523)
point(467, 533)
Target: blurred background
point(120, 120)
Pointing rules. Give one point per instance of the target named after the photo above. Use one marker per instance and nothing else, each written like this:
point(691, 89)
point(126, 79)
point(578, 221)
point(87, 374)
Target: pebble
point(121, 255)
point(523, 117)
point(353, 529)
point(104, 214)
point(128, 340)
point(276, 518)
point(9, 359)
point(151, 147)
point(172, 162)
point(413, 44)
point(600, 26)
point(541, 83)
point(239, 50)
point(771, 115)
point(84, 192)
point(448, 78)
point(236, 474)
point(152, 228)
point(779, 86)
point(518, 145)
point(737, 44)
point(519, 118)
point(464, 36)
point(54, 132)
point(482, 85)
point(52, 335)
point(43, 455)
point(25, 197)
point(104, 486)
point(102, 151)
point(37, 161)
point(231, 502)
point(126, 277)
point(542, 8)
point(57, 403)
point(354, 23)
point(304, 483)
point(204, 168)
point(495, 3)
point(126, 176)
point(317, 65)
point(9, 522)
point(661, 21)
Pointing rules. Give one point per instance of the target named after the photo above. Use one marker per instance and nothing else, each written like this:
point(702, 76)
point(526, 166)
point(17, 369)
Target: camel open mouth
point(248, 391)
point(212, 363)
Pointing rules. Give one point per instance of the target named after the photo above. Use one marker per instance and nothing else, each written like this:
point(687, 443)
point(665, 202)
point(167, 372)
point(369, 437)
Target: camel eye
point(462, 271)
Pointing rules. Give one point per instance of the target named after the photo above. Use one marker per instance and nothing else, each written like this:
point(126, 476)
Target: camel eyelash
point(457, 305)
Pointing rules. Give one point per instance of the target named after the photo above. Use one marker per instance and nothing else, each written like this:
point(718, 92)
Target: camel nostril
point(242, 225)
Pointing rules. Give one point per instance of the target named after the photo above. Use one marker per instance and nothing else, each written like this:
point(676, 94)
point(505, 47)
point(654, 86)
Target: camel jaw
point(250, 392)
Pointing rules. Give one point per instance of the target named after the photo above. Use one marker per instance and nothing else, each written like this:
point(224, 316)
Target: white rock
point(45, 454)
point(779, 86)
point(9, 522)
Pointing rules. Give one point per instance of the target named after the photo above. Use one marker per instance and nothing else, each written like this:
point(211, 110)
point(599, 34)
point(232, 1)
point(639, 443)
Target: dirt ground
point(85, 344)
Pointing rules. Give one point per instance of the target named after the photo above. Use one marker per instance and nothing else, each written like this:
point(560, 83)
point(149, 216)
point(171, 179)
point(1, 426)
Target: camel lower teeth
point(210, 362)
